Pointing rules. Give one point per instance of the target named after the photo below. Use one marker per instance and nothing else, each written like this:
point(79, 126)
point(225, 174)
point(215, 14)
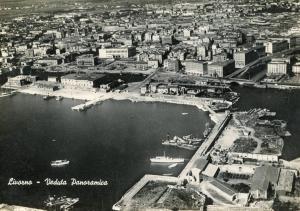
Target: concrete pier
point(206, 145)
point(203, 150)
point(88, 104)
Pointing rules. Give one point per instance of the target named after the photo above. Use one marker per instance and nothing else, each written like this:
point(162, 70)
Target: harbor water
point(111, 142)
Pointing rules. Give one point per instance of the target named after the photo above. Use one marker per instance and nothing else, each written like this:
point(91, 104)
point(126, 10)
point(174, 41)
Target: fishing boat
point(184, 114)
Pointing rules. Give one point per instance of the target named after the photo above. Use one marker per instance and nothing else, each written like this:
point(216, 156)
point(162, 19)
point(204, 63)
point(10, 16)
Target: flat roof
point(89, 77)
point(210, 170)
point(286, 180)
point(200, 163)
point(224, 63)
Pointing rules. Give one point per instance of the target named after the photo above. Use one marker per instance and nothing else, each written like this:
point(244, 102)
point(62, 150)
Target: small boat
point(6, 94)
point(116, 207)
point(59, 98)
point(63, 202)
point(53, 140)
point(47, 97)
point(172, 165)
point(184, 113)
point(164, 159)
point(59, 163)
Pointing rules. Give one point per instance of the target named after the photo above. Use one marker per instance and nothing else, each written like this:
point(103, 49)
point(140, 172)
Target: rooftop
point(264, 175)
point(88, 77)
point(224, 63)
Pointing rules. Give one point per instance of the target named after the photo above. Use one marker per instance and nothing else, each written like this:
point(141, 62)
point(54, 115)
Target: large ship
point(165, 159)
point(59, 163)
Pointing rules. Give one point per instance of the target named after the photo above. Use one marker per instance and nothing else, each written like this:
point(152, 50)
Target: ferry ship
point(59, 163)
point(164, 159)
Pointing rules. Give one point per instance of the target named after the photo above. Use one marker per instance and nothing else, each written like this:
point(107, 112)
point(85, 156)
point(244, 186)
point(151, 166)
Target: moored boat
point(47, 97)
point(63, 202)
point(59, 163)
point(165, 159)
point(59, 98)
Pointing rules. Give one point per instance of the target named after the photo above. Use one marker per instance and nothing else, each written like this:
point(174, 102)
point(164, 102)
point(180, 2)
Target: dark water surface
point(112, 141)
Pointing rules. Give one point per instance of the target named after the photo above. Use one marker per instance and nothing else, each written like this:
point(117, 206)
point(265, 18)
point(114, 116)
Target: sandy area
point(229, 135)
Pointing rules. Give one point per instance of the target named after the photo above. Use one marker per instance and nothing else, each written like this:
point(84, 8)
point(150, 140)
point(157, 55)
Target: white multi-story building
point(85, 60)
point(277, 68)
point(74, 81)
point(221, 69)
point(242, 58)
point(275, 46)
point(296, 68)
point(195, 68)
point(171, 64)
point(122, 52)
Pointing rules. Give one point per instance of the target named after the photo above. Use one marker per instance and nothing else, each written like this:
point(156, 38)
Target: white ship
point(164, 159)
point(59, 163)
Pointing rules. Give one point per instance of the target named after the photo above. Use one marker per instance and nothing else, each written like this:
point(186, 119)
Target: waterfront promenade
point(95, 97)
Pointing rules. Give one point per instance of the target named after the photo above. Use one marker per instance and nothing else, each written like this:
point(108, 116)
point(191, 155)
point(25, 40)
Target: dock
point(88, 104)
point(203, 150)
point(206, 145)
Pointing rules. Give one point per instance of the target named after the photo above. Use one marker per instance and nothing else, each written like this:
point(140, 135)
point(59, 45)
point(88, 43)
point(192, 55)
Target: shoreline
point(97, 97)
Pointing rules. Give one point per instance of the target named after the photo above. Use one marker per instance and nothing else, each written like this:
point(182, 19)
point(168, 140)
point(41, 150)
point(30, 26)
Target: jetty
point(88, 104)
point(207, 144)
point(203, 150)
